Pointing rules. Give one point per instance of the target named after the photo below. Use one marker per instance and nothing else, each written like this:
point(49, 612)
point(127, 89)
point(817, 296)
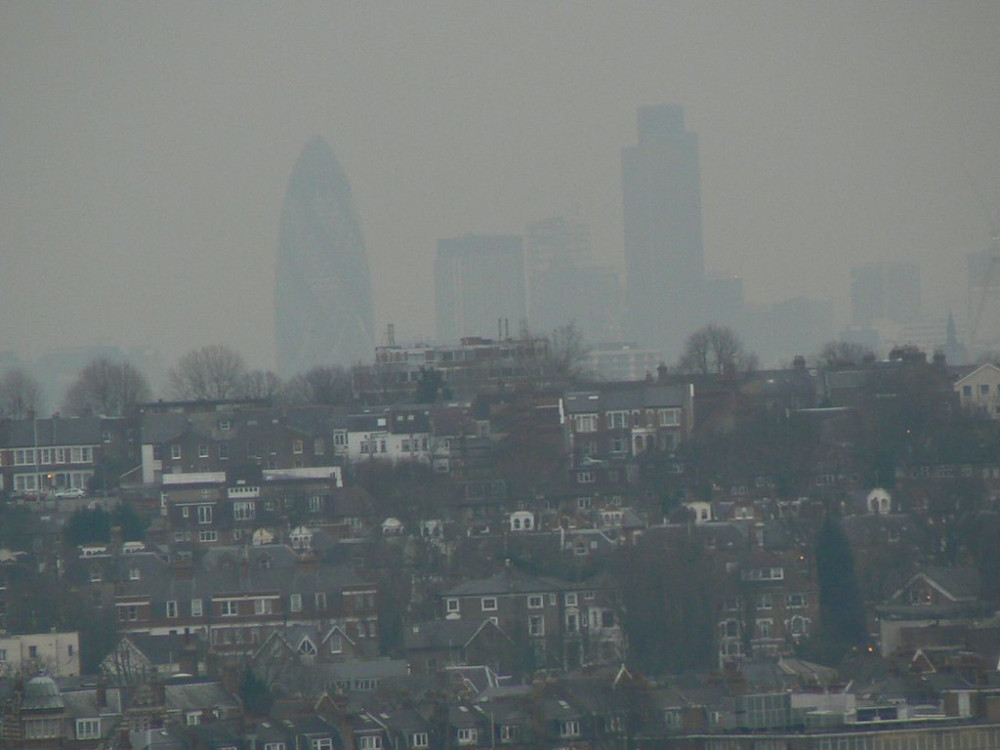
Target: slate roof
point(508, 582)
point(444, 633)
point(27, 433)
point(197, 694)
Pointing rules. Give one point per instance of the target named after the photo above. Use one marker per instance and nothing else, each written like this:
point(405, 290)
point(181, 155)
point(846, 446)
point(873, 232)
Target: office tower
point(563, 286)
point(322, 295)
point(884, 292)
point(479, 287)
point(984, 297)
point(664, 259)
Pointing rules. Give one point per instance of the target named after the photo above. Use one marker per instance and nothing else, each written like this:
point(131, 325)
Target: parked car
point(70, 492)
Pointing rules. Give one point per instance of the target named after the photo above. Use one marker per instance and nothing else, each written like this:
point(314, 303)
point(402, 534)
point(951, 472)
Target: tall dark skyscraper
point(479, 287)
point(322, 295)
point(664, 259)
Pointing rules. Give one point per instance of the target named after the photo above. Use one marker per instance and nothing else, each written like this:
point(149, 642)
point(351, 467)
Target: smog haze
point(146, 147)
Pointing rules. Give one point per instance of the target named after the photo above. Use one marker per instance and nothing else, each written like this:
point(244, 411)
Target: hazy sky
point(145, 147)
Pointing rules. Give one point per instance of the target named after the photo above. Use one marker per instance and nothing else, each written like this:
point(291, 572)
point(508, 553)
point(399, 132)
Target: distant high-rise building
point(479, 287)
point(884, 292)
point(563, 286)
point(664, 258)
point(322, 296)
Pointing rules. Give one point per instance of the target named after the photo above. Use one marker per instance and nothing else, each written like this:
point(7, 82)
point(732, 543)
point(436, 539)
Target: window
point(203, 450)
point(88, 729)
point(795, 600)
point(263, 606)
point(670, 417)
point(320, 600)
point(134, 574)
point(984, 389)
point(572, 623)
point(419, 740)
point(536, 626)
point(571, 599)
point(296, 446)
point(175, 452)
point(764, 628)
point(128, 613)
point(33, 652)
point(371, 742)
point(336, 644)
point(3, 655)
point(196, 609)
point(224, 425)
point(535, 601)
point(171, 609)
point(451, 605)
point(157, 453)
point(617, 419)
point(967, 391)
point(607, 619)
point(275, 746)
point(295, 602)
point(321, 743)
point(468, 736)
point(244, 511)
point(569, 728)
point(315, 503)
point(585, 477)
point(230, 608)
point(489, 604)
point(764, 601)
point(508, 732)
point(207, 537)
point(205, 514)
point(585, 422)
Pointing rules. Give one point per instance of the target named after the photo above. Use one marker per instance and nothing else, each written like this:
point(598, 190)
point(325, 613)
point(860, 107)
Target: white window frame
point(468, 736)
point(88, 729)
point(536, 601)
point(489, 604)
point(295, 603)
point(172, 611)
point(230, 608)
point(536, 626)
point(420, 740)
point(197, 609)
point(205, 514)
point(569, 728)
point(452, 605)
point(175, 452)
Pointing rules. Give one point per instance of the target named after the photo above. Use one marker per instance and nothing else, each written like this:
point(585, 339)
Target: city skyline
point(146, 149)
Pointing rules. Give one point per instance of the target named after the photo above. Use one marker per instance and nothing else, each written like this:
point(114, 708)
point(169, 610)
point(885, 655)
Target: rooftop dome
point(41, 692)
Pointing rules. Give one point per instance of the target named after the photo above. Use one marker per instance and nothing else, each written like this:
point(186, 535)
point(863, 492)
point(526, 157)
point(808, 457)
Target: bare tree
point(321, 385)
point(106, 388)
point(845, 354)
point(261, 384)
point(20, 394)
point(212, 372)
point(715, 350)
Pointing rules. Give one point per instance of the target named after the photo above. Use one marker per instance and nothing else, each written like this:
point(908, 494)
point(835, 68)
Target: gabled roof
point(989, 367)
point(955, 584)
point(434, 634)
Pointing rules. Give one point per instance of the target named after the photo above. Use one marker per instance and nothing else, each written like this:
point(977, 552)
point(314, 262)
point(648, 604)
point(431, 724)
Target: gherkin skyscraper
point(322, 297)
